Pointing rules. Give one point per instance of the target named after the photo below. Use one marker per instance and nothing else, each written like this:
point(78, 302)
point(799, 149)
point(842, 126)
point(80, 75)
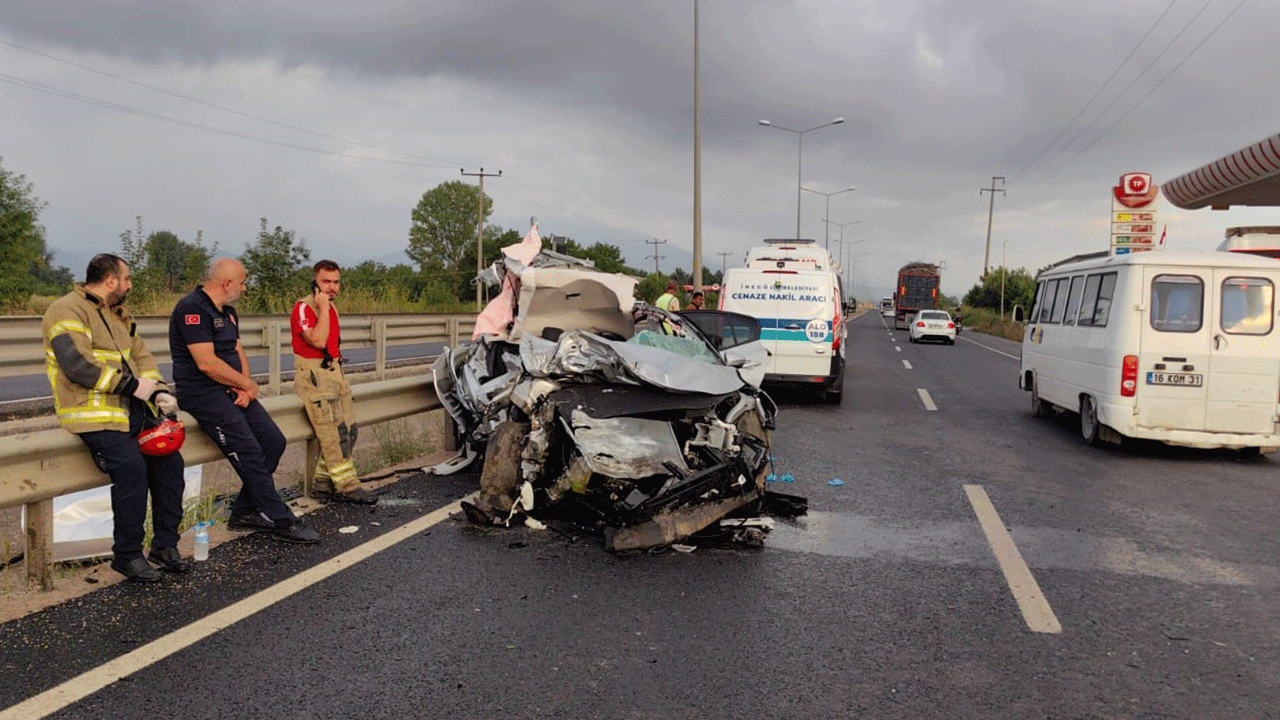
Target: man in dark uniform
point(211, 372)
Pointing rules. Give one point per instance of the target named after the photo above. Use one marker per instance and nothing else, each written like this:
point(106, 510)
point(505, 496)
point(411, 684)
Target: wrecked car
point(591, 408)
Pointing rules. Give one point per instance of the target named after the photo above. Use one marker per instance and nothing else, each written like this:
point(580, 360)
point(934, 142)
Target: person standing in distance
point(322, 386)
point(696, 301)
point(103, 378)
point(211, 372)
point(669, 300)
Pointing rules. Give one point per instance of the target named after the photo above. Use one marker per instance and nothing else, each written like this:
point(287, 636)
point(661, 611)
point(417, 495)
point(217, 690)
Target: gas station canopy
point(1250, 176)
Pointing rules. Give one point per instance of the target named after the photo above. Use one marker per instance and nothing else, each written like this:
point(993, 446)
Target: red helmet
point(164, 438)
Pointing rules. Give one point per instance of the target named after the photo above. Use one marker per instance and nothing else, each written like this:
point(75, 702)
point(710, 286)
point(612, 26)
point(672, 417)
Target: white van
point(1173, 346)
point(803, 254)
point(801, 323)
point(886, 307)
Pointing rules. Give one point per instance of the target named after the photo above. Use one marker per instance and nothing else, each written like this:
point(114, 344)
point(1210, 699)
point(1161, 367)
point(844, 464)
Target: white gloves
point(168, 404)
point(146, 386)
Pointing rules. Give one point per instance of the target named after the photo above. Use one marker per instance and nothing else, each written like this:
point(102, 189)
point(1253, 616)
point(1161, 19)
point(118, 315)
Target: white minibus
point(1178, 347)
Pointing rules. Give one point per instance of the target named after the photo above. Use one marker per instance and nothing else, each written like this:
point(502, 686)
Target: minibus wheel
point(1089, 427)
point(1039, 408)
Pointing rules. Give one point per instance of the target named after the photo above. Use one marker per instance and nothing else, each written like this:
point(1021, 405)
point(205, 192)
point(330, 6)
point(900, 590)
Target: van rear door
point(1243, 382)
point(802, 329)
point(1176, 337)
point(751, 292)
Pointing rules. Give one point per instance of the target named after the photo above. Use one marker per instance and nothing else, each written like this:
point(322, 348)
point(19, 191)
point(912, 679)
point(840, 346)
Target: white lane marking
point(906, 364)
point(1026, 591)
point(80, 687)
point(898, 348)
point(998, 352)
point(928, 401)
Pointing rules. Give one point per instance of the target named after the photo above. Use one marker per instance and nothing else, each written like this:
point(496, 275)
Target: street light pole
point(827, 217)
point(697, 160)
point(799, 156)
point(1004, 273)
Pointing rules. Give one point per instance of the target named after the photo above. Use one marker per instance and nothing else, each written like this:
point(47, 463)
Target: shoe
point(296, 532)
point(136, 570)
point(359, 496)
point(253, 522)
point(169, 560)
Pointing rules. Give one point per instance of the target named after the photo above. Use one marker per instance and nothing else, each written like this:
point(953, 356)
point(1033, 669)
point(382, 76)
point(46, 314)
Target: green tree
point(174, 265)
point(443, 229)
point(1019, 289)
point(606, 257)
point(51, 280)
point(275, 266)
point(22, 245)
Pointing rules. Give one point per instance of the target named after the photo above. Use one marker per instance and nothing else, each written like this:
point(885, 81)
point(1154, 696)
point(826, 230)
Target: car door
point(1174, 350)
point(737, 338)
point(1244, 376)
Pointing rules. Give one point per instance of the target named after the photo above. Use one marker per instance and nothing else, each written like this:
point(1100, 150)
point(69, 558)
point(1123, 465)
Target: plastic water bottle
point(201, 552)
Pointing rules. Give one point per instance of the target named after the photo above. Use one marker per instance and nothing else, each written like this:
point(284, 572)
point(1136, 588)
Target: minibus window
point(1046, 302)
point(1246, 306)
point(1035, 305)
point(1106, 288)
point(1090, 299)
point(1060, 301)
point(1073, 300)
point(1177, 303)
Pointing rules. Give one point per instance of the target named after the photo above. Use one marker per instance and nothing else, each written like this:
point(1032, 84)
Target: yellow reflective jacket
point(93, 355)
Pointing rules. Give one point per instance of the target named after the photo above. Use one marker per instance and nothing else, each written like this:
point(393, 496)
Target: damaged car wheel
point(500, 477)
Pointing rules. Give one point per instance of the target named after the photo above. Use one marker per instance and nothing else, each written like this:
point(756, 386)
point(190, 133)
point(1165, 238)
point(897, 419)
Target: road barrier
point(39, 466)
point(22, 352)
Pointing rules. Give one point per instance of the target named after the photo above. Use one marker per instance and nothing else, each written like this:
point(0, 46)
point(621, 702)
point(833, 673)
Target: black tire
point(1090, 428)
point(1250, 452)
point(500, 476)
point(1039, 408)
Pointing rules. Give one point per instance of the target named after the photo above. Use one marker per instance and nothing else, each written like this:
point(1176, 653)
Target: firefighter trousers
point(327, 398)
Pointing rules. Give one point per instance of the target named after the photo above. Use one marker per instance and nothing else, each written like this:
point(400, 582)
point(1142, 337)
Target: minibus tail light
point(1129, 376)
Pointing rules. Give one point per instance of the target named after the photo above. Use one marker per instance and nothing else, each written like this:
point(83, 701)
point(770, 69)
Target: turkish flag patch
point(193, 319)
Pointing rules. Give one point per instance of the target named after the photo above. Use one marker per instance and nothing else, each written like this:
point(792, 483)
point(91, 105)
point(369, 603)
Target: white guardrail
point(22, 353)
point(39, 466)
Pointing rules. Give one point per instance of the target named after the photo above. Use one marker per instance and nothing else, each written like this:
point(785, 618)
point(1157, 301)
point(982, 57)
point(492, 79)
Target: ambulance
point(793, 288)
point(1180, 347)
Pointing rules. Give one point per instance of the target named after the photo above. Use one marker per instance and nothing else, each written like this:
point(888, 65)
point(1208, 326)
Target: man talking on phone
point(318, 379)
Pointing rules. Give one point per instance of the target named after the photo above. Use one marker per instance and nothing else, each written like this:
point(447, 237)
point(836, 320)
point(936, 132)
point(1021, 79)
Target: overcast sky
point(587, 108)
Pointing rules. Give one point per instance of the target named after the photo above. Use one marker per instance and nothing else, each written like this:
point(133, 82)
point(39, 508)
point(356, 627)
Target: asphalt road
point(1149, 588)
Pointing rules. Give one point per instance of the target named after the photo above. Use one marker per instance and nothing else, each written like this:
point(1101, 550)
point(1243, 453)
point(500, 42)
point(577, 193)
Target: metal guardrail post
point(39, 552)
point(452, 331)
point(271, 338)
point(309, 469)
point(380, 346)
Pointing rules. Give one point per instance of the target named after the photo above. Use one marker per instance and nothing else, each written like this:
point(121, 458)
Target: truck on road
point(917, 289)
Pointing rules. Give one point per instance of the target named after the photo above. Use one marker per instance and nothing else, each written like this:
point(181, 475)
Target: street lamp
point(799, 148)
point(842, 226)
point(827, 216)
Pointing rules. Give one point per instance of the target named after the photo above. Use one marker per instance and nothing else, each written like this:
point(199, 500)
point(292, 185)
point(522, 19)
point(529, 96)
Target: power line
point(656, 257)
point(1028, 166)
point(1088, 126)
point(216, 106)
point(1145, 95)
point(50, 89)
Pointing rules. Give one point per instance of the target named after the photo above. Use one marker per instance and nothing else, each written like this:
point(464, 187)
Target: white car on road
point(933, 325)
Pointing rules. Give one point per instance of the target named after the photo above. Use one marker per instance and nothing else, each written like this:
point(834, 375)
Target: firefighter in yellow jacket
point(318, 379)
point(104, 381)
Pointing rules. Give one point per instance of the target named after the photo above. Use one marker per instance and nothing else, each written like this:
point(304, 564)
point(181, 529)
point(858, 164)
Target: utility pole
point(697, 159)
point(986, 258)
point(722, 255)
point(656, 257)
point(480, 230)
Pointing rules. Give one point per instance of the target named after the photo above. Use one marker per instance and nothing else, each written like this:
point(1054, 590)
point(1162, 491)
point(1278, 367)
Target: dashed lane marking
point(906, 364)
point(1026, 591)
point(81, 686)
point(898, 348)
point(928, 401)
point(987, 347)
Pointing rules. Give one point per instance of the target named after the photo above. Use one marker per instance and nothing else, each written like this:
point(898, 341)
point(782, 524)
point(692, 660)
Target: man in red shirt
point(319, 381)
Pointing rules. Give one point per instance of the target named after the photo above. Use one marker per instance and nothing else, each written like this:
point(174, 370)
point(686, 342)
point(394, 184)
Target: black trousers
point(133, 477)
point(253, 443)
